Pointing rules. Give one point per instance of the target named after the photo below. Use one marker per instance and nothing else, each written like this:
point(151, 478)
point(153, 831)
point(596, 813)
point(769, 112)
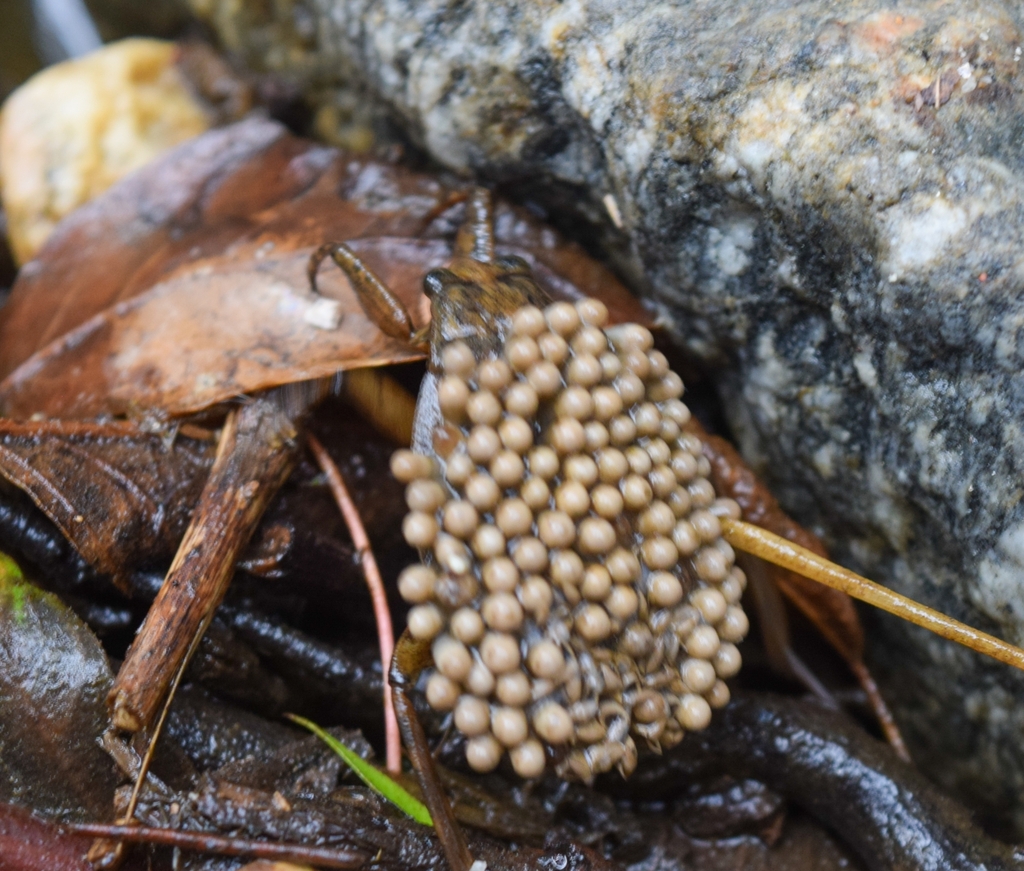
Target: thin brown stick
point(324, 857)
point(381, 612)
point(777, 550)
point(254, 457)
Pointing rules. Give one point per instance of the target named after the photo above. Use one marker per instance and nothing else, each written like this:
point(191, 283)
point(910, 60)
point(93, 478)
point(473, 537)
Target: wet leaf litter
point(53, 351)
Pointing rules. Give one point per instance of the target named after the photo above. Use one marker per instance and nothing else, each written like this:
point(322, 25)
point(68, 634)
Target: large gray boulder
point(825, 201)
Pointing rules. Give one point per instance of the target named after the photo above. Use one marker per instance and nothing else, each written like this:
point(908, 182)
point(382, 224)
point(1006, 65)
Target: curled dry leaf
point(28, 843)
point(120, 496)
point(185, 284)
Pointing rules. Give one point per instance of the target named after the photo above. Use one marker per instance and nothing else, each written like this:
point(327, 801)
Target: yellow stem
point(781, 552)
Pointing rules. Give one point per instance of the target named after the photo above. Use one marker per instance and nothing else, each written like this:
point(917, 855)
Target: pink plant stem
point(381, 613)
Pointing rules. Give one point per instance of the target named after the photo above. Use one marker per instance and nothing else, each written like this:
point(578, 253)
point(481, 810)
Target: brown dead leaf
point(176, 296)
point(31, 844)
point(118, 494)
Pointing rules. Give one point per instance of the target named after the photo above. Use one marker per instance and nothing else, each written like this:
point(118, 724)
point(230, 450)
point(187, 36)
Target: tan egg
point(530, 555)
point(451, 658)
point(545, 660)
point(575, 402)
point(528, 759)
point(727, 661)
point(566, 436)
point(553, 348)
point(665, 590)
point(543, 462)
point(522, 400)
point(500, 575)
point(593, 624)
point(416, 584)
point(509, 725)
point(658, 363)
point(701, 492)
point(622, 602)
point(566, 568)
point(607, 501)
point(562, 318)
point(711, 565)
point(718, 696)
point(442, 693)
point(502, 612)
point(425, 622)
point(545, 379)
point(426, 496)
point(458, 469)
point(536, 596)
point(711, 604)
point(483, 407)
point(488, 541)
point(629, 387)
point(669, 386)
point(481, 681)
point(419, 529)
point(706, 525)
point(472, 715)
point(493, 375)
point(556, 528)
point(636, 492)
point(516, 434)
point(452, 396)
point(572, 498)
point(676, 411)
point(521, 352)
point(535, 493)
point(499, 652)
point(596, 536)
point(466, 626)
point(656, 519)
point(483, 753)
point(592, 312)
point(623, 566)
point(622, 431)
point(685, 538)
point(513, 688)
point(637, 363)
point(507, 468)
point(734, 625)
point(596, 584)
point(460, 518)
point(633, 337)
point(528, 321)
point(483, 443)
point(596, 435)
point(693, 712)
point(514, 517)
point(663, 482)
point(703, 642)
point(482, 491)
point(407, 466)
point(611, 365)
point(457, 359)
point(552, 723)
point(659, 552)
point(584, 370)
point(698, 675)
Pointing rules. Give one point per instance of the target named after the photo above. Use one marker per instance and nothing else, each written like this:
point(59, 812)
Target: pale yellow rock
point(75, 128)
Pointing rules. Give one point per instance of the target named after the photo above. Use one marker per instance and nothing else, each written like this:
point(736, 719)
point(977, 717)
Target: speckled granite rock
point(827, 201)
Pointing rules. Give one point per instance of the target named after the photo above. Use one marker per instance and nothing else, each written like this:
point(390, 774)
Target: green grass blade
point(372, 776)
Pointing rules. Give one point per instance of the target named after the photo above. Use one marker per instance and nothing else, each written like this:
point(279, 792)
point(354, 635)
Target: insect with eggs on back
point(577, 591)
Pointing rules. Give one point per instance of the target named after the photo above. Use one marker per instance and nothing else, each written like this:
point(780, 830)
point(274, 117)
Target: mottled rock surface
point(826, 199)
